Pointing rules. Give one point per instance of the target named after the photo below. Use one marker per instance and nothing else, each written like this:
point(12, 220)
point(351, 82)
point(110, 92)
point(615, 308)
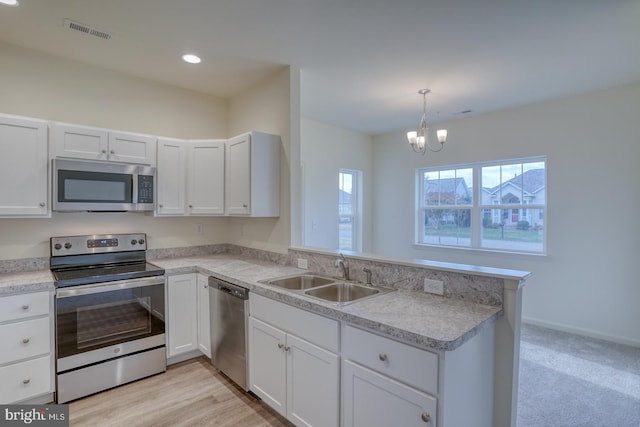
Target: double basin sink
point(326, 288)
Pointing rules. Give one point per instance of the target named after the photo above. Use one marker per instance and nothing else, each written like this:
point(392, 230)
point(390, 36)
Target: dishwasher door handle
point(224, 289)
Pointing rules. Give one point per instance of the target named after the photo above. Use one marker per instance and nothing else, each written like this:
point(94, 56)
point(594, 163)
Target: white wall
point(588, 282)
point(266, 108)
point(325, 149)
point(39, 85)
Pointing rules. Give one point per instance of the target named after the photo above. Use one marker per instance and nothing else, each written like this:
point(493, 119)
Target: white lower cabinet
point(297, 378)
point(204, 336)
point(26, 359)
point(182, 314)
point(371, 399)
point(187, 321)
point(385, 382)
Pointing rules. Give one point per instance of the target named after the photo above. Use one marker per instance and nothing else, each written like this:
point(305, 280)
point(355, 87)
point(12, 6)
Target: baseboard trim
point(184, 356)
point(583, 332)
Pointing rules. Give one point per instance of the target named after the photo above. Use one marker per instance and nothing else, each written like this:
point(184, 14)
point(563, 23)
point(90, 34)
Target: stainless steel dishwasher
point(229, 308)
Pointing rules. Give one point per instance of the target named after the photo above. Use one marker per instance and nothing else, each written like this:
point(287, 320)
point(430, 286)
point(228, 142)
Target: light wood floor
point(191, 393)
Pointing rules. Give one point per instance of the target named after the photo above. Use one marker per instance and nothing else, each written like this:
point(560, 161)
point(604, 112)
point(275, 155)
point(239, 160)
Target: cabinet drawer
point(311, 327)
point(16, 307)
point(410, 365)
point(24, 380)
point(25, 339)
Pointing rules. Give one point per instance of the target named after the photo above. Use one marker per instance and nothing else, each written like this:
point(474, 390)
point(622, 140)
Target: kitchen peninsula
point(465, 342)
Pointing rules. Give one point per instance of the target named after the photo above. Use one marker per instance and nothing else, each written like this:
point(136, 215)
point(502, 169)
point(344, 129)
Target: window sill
point(426, 246)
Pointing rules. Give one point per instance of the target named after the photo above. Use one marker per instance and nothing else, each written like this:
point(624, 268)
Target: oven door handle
point(74, 291)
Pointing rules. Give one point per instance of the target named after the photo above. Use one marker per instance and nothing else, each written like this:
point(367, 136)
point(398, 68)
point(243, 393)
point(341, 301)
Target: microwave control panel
point(145, 188)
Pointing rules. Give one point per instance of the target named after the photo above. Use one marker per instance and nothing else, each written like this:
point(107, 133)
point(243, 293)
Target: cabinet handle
point(25, 307)
point(112, 152)
point(104, 151)
point(287, 348)
point(244, 206)
point(425, 417)
point(42, 204)
point(26, 381)
point(383, 357)
point(190, 206)
point(160, 206)
point(25, 340)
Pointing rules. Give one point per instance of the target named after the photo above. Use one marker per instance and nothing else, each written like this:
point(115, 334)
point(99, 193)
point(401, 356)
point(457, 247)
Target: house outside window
point(494, 206)
point(349, 209)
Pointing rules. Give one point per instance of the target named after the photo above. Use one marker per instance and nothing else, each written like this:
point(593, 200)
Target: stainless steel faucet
point(342, 262)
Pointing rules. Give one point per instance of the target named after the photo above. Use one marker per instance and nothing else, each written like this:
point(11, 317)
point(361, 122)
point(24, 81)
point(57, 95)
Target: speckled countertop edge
point(27, 281)
point(424, 320)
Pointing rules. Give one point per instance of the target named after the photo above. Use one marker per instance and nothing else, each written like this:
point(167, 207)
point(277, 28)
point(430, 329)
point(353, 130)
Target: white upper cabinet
point(132, 148)
point(252, 175)
point(171, 176)
point(24, 184)
point(80, 142)
point(205, 177)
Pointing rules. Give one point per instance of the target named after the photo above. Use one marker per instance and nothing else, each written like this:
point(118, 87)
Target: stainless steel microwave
point(102, 186)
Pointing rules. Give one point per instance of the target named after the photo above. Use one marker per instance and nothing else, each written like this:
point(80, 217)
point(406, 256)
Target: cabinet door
point(267, 364)
point(206, 178)
point(182, 319)
point(171, 176)
point(23, 168)
point(24, 380)
point(238, 175)
point(132, 148)
point(370, 399)
point(312, 384)
point(80, 142)
point(204, 337)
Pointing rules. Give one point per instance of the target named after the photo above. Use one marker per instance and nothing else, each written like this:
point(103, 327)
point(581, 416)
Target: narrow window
point(349, 207)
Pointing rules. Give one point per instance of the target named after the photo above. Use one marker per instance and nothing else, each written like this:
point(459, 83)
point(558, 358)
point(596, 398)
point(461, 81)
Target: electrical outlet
point(302, 263)
point(199, 229)
point(434, 286)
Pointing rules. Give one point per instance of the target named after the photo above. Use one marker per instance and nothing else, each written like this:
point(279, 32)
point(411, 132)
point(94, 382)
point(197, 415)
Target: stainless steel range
point(110, 308)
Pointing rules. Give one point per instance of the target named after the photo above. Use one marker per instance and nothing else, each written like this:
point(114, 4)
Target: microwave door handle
point(134, 196)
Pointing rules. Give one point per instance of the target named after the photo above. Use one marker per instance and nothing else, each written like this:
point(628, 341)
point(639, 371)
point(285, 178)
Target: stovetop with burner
point(98, 258)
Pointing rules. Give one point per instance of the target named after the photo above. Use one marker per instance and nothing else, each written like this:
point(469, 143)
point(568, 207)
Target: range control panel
point(98, 243)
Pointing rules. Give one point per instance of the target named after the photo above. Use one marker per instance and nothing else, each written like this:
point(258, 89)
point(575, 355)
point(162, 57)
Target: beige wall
point(588, 281)
point(325, 150)
point(266, 108)
point(38, 85)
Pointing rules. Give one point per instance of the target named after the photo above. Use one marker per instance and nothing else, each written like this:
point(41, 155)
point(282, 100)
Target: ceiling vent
point(86, 29)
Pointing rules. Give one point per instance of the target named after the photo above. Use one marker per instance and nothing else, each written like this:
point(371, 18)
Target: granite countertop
point(28, 281)
point(425, 320)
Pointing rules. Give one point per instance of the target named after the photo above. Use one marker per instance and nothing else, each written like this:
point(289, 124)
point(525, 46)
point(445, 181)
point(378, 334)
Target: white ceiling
point(362, 61)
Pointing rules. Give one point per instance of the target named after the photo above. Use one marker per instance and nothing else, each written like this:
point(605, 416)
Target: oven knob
point(141, 241)
point(67, 245)
point(134, 241)
point(57, 246)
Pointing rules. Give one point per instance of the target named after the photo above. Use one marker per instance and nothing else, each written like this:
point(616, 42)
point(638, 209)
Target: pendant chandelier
point(419, 140)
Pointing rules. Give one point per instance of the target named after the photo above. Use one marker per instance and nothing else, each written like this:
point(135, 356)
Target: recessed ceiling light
point(9, 2)
point(191, 59)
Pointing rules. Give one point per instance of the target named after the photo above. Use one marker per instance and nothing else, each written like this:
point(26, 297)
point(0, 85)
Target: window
point(349, 207)
point(497, 205)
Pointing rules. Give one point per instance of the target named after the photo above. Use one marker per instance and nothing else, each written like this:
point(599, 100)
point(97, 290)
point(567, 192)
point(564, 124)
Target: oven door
point(99, 322)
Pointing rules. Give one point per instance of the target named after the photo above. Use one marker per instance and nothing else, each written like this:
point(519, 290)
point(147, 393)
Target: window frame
point(479, 209)
point(356, 203)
